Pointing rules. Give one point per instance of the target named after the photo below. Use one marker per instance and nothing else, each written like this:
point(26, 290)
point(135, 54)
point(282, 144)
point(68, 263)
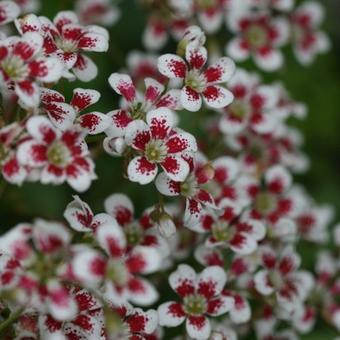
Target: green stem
point(10, 320)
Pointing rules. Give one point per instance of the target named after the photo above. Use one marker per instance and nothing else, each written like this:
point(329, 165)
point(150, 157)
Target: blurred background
point(318, 86)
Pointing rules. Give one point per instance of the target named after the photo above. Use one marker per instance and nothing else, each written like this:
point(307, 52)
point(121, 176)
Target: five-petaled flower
point(60, 156)
point(158, 142)
point(198, 84)
point(201, 297)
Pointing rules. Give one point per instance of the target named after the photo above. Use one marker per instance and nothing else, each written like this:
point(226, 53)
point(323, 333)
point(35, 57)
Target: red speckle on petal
point(177, 67)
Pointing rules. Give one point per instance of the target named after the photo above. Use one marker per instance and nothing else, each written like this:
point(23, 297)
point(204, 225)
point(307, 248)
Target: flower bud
point(193, 36)
point(166, 225)
point(205, 174)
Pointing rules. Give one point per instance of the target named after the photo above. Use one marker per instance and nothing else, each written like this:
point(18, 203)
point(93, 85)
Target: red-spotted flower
point(65, 116)
point(199, 84)
point(137, 324)
point(308, 40)
point(115, 268)
point(66, 39)
point(158, 142)
point(135, 106)
point(260, 36)
point(101, 12)
point(197, 197)
point(201, 298)
point(61, 156)
point(23, 68)
point(228, 228)
point(281, 277)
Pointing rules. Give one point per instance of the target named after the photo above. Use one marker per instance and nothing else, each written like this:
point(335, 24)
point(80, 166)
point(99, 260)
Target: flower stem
point(10, 320)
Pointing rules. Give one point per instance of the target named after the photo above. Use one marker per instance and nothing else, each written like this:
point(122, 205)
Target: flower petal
point(198, 327)
point(94, 123)
point(176, 168)
point(166, 186)
point(83, 98)
point(120, 207)
point(170, 314)
point(217, 96)
point(190, 99)
point(182, 281)
point(141, 170)
point(211, 281)
point(172, 66)
point(221, 71)
point(85, 69)
point(123, 85)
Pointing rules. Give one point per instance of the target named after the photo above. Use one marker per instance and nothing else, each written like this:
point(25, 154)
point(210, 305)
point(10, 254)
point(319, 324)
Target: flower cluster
point(259, 27)
point(228, 227)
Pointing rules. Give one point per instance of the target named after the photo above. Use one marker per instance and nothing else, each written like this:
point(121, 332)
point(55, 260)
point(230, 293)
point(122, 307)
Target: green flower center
point(195, 304)
point(189, 187)
point(138, 111)
point(221, 231)
point(256, 36)
point(133, 233)
point(59, 155)
point(276, 280)
point(239, 108)
point(67, 45)
point(155, 151)
point(15, 68)
point(206, 3)
point(265, 203)
point(116, 271)
point(196, 81)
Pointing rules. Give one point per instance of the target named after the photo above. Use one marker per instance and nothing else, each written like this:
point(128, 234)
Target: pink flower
point(201, 297)
point(199, 84)
point(157, 142)
point(61, 156)
point(23, 69)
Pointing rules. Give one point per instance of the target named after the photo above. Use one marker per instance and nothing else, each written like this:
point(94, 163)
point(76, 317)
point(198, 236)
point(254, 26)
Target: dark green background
point(318, 86)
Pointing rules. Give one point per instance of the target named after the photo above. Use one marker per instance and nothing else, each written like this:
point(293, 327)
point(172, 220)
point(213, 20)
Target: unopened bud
point(114, 146)
point(166, 225)
point(193, 36)
point(205, 174)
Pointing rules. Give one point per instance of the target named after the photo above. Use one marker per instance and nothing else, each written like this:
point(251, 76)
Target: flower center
point(117, 272)
point(133, 233)
point(15, 68)
point(205, 4)
point(59, 155)
point(239, 109)
point(195, 80)
point(66, 45)
point(221, 231)
point(265, 203)
point(138, 111)
point(195, 304)
point(155, 151)
point(189, 187)
point(276, 279)
point(256, 36)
